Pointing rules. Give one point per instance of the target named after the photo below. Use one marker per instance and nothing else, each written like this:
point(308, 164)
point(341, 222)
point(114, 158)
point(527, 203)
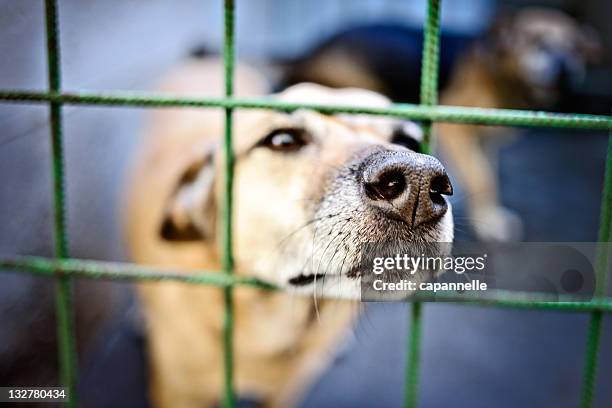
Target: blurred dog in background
point(526, 60)
point(310, 191)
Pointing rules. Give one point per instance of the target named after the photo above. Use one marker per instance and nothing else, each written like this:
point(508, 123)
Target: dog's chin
point(346, 283)
point(328, 285)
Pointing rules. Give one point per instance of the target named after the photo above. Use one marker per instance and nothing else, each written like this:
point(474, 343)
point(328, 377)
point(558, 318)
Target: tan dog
point(310, 189)
point(524, 62)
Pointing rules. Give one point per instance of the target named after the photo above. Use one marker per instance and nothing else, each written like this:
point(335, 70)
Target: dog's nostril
point(439, 186)
point(389, 186)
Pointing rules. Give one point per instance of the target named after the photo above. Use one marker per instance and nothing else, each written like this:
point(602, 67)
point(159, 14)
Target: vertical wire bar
point(430, 62)
point(414, 350)
point(429, 97)
point(64, 307)
point(228, 260)
point(594, 331)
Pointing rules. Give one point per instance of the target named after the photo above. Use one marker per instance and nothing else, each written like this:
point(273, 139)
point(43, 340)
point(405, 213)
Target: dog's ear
point(589, 44)
point(191, 211)
point(498, 38)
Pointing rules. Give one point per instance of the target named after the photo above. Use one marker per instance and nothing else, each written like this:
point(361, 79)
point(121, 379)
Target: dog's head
point(310, 190)
point(544, 49)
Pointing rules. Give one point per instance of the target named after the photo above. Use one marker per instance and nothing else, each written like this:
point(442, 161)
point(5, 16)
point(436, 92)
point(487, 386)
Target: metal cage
point(64, 269)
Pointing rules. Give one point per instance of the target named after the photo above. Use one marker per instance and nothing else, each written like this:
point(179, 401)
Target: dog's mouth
point(303, 280)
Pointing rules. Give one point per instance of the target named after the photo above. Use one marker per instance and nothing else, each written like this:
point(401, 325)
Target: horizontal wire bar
point(123, 272)
point(455, 114)
point(522, 300)
point(118, 271)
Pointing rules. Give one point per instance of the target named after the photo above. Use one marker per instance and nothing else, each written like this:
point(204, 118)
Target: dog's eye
point(284, 140)
point(409, 135)
point(408, 142)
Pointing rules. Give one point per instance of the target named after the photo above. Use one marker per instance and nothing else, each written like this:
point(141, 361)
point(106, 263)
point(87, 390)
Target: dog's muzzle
point(406, 186)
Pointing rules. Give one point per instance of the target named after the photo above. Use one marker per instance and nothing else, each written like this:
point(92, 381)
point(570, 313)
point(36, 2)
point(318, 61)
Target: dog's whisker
point(338, 234)
point(306, 224)
point(315, 301)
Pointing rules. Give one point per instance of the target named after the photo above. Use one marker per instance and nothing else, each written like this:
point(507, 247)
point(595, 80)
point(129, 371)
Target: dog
point(309, 190)
point(527, 60)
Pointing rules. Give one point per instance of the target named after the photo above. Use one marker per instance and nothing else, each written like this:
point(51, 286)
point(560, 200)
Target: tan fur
point(473, 85)
point(281, 340)
point(337, 73)
point(275, 333)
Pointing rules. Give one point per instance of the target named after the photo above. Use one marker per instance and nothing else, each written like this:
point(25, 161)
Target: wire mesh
point(64, 269)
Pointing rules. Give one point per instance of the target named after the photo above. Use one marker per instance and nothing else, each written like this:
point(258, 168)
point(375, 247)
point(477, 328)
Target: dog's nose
point(407, 186)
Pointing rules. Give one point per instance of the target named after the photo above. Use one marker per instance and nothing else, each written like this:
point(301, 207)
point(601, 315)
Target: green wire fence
point(65, 269)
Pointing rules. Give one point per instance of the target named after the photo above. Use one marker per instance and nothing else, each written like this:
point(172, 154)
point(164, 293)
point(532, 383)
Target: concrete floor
point(476, 357)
